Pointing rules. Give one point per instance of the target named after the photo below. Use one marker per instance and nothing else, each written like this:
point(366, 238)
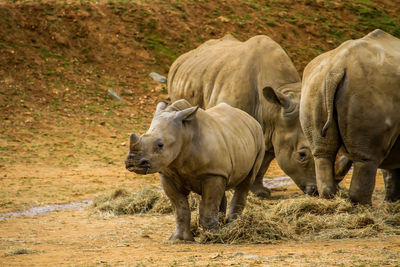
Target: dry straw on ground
point(265, 221)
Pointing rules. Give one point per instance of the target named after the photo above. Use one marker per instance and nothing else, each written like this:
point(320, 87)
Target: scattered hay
point(122, 202)
point(147, 200)
point(20, 251)
point(266, 221)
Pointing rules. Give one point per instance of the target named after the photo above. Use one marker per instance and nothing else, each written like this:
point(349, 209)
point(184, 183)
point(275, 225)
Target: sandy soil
point(82, 238)
point(63, 139)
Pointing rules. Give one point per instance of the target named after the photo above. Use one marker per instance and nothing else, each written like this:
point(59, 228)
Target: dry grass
point(147, 200)
point(122, 202)
point(265, 221)
point(19, 251)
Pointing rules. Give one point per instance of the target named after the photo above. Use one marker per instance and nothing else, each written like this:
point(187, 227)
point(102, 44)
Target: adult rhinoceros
point(256, 76)
point(207, 152)
point(351, 100)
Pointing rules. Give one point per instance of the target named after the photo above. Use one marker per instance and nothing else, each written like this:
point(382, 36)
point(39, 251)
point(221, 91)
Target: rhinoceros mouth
point(138, 170)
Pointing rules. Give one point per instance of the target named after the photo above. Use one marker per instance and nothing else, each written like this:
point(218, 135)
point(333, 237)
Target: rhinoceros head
point(290, 146)
point(162, 143)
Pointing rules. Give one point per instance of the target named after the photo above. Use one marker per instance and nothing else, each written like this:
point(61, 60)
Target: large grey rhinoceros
point(256, 76)
point(206, 152)
point(351, 101)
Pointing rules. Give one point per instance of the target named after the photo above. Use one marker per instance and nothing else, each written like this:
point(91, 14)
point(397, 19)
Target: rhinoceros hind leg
point(213, 193)
point(363, 182)
point(239, 198)
point(392, 184)
point(180, 203)
point(223, 205)
point(258, 187)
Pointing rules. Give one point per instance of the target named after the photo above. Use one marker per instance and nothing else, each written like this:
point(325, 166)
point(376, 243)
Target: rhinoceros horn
point(133, 139)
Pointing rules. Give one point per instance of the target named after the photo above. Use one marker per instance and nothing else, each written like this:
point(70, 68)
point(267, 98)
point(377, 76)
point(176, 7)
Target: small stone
point(216, 256)
point(223, 19)
point(102, 123)
point(123, 144)
point(252, 256)
point(114, 95)
point(113, 136)
point(157, 77)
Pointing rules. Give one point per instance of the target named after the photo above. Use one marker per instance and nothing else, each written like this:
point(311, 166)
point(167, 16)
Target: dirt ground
point(63, 138)
point(83, 238)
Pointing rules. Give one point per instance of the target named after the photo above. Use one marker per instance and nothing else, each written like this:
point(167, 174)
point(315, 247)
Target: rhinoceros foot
point(261, 192)
point(186, 236)
point(328, 192)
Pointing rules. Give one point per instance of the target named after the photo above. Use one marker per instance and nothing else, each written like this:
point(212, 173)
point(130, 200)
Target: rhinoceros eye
point(160, 145)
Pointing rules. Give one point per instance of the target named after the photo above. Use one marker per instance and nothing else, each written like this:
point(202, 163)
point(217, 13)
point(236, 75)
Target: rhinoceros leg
point(258, 187)
point(180, 203)
point(238, 201)
point(212, 195)
point(326, 184)
point(363, 182)
point(392, 184)
point(342, 167)
point(223, 205)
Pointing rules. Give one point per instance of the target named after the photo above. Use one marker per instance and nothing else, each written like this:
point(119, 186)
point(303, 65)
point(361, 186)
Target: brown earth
point(63, 139)
point(84, 238)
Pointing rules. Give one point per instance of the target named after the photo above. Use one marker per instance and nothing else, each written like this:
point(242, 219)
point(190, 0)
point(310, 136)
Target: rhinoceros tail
point(331, 83)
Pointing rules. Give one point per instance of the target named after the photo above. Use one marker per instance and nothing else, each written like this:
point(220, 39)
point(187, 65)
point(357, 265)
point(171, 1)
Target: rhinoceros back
point(243, 139)
point(231, 71)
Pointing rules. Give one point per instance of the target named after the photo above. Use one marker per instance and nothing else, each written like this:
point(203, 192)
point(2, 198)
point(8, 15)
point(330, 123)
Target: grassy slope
point(58, 60)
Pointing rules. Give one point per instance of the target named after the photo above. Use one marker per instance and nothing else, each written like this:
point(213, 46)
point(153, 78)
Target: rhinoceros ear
point(186, 114)
point(276, 97)
point(160, 108)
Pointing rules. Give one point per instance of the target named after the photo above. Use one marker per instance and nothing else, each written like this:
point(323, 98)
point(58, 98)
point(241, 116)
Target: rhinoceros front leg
point(213, 193)
point(180, 204)
point(392, 184)
point(342, 167)
point(258, 187)
point(363, 182)
point(326, 184)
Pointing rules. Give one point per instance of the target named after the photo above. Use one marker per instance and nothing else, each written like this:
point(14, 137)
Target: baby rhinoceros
point(206, 152)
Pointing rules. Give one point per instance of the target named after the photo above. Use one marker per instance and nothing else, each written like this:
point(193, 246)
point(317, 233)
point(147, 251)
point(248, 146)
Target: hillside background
point(58, 59)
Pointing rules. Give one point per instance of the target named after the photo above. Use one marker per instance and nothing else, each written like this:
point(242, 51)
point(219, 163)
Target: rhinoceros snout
point(311, 190)
point(139, 166)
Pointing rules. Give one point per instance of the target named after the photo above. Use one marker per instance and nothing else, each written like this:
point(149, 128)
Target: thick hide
point(206, 152)
point(258, 77)
point(350, 101)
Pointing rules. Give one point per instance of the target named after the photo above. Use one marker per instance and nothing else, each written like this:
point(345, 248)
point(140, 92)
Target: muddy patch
point(277, 182)
point(45, 209)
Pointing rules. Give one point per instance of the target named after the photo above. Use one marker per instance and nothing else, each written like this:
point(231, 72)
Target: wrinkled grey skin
point(351, 101)
point(206, 152)
point(256, 76)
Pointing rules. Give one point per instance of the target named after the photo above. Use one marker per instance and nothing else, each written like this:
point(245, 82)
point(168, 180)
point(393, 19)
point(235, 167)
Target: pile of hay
point(147, 200)
point(265, 221)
